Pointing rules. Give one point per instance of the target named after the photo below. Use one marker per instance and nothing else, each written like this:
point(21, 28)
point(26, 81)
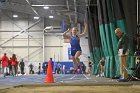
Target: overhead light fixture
point(46, 7)
point(38, 5)
point(36, 17)
point(48, 27)
point(51, 17)
point(15, 16)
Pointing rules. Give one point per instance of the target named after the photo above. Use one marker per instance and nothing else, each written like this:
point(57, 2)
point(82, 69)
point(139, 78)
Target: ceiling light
point(15, 16)
point(51, 17)
point(46, 7)
point(48, 27)
point(36, 17)
point(38, 5)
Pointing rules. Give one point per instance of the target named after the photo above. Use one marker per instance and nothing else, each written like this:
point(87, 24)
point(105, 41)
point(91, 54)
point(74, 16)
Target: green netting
point(110, 16)
point(95, 57)
point(109, 46)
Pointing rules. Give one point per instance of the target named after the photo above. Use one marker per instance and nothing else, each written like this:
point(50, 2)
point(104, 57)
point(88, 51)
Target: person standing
point(52, 63)
point(63, 69)
point(45, 67)
point(14, 64)
point(22, 65)
point(122, 53)
point(4, 60)
point(39, 68)
point(74, 39)
point(0, 67)
point(31, 69)
point(10, 66)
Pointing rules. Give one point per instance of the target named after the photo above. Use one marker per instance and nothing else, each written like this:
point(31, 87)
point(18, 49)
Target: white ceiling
point(68, 10)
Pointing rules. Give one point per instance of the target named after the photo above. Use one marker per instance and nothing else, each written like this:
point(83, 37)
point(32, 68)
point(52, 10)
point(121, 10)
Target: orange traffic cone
point(49, 76)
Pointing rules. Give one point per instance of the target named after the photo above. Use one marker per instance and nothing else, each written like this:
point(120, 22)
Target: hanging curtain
point(111, 16)
point(94, 39)
point(105, 18)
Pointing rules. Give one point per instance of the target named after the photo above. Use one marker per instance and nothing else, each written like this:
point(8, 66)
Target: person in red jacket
point(4, 60)
point(14, 65)
point(10, 66)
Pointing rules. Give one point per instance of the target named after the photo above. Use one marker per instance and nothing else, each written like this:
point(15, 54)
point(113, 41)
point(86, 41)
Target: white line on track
point(86, 76)
point(73, 77)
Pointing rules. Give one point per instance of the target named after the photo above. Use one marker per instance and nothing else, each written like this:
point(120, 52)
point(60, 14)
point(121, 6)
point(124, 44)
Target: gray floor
point(59, 79)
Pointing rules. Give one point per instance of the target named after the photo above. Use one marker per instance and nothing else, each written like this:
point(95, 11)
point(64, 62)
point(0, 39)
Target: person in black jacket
point(22, 65)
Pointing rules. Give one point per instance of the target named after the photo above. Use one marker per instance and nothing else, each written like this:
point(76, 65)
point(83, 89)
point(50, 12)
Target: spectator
point(63, 69)
point(4, 60)
point(52, 63)
point(89, 66)
point(10, 66)
point(123, 53)
point(31, 69)
point(102, 63)
point(39, 68)
point(72, 71)
point(44, 67)
point(14, 64)
point(22, 65)
point(58, 68)
point(83, 68)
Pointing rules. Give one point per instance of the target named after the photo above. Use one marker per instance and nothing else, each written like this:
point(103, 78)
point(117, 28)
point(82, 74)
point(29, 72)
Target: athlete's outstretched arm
point(84, 32)
point(65, 34)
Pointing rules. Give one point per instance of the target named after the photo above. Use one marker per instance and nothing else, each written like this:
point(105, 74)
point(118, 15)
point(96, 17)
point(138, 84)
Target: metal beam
point(56, 5)
point(43, 46)
point(32, 8)
point(75, 7)
point(33, 52)
point(27, 46)
point(68, 10)
point(23, 9)
point(22, 31)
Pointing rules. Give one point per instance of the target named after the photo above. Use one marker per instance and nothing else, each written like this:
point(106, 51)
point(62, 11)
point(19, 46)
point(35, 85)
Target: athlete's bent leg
point(74, 62)
point(77, 55)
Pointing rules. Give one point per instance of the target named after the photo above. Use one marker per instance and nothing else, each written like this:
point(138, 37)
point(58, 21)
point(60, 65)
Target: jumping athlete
point(74, 39)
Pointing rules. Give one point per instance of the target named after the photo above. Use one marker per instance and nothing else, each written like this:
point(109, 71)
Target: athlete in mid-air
point(74, 39)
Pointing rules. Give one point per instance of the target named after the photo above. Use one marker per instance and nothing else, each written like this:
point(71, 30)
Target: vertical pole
point(138, 28)
point(75, 11)
point(43, 42)
point(43, 46)
point(67, 2)
point(137, 12)
point(13, 37)
point(28, 39)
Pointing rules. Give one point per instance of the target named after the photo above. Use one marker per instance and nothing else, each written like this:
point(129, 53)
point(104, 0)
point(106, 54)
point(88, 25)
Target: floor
point(63, 79)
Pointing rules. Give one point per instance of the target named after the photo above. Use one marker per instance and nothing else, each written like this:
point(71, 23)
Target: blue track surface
point(39, 79)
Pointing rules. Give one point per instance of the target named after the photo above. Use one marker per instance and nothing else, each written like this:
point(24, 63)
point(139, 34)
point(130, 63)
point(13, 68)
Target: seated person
point(83, 67)
point(101, 68)
point(58, 68)
point(102, 63)
point(72, 70)
point(89, 66)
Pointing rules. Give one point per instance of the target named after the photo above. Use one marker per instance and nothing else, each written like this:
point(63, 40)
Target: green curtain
point(94, 39)
point(105, 18)
point(111, 16)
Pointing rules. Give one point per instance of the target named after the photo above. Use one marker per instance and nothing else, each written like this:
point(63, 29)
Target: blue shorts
point(73, 52)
